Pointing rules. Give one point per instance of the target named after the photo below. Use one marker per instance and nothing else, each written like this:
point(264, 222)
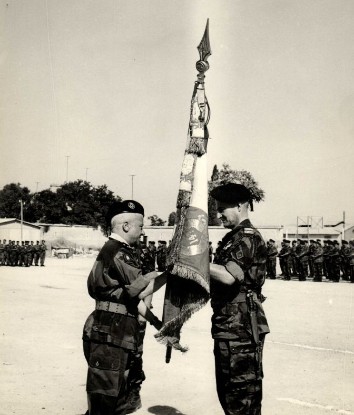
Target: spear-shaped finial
point(204, 52)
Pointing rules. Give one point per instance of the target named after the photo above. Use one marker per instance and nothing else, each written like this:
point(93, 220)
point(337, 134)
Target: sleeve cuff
point(137, 286)
point(235, 270)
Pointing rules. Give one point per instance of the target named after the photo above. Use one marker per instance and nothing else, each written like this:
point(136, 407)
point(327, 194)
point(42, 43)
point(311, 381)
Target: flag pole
point(196, 146)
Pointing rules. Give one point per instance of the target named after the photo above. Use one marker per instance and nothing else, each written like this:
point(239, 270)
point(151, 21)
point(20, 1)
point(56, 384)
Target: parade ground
point(308, 357)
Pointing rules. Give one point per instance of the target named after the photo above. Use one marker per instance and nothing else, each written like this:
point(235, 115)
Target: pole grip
point(168, 354)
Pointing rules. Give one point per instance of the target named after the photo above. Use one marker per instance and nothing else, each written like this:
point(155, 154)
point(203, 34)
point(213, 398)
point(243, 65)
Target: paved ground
point(308, 362)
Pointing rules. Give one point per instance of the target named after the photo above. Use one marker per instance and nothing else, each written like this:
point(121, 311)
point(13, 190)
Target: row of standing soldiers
point(25, 254)
point(156, 255)
point(301, 259)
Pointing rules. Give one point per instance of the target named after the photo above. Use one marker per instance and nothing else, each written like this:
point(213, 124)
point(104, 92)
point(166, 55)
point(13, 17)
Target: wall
point(12, 230)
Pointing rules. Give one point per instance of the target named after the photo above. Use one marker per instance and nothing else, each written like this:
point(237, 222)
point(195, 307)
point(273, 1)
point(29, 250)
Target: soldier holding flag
point(239, 324)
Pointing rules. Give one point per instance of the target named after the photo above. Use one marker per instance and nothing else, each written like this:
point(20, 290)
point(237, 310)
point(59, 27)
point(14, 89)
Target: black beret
point(318, 240)
point(312, 240)
point(231, 193)
point(271, 240)
point(286, 241)
point(344, 241)
point(127, 206)
point(335, 242)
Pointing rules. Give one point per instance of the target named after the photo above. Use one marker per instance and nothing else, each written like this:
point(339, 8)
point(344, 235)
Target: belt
point(113, 308)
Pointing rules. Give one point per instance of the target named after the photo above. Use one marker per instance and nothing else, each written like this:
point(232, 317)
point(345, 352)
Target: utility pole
point(132, 176)
point(67, 168)
point(21, 204)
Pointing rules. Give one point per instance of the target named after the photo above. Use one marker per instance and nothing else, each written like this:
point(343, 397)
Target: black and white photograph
point(177, 207)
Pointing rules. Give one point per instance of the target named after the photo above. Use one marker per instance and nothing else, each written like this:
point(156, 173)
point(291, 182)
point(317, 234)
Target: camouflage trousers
point(239, 374)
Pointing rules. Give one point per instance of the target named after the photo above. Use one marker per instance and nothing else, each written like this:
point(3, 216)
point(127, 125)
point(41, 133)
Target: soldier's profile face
point(136, 225)
point(228, 214)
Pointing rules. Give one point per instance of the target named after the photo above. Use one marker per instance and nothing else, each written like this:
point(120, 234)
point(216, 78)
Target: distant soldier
point(317, 261)
point(13, 253)
point(43, 249)
point(304, 261)
point(152, 250)
point(285, 256)
point(2, 252)
point(293, 260)
point(345, 260)
point(272, 253)
point(281, 259)
point(325, 258)
point(7, 252)
point(335, 261)
point(351, 261)
point(30, 253)
point(211, 250)
point(21, 254)
point(36, 253)
point(312, 248)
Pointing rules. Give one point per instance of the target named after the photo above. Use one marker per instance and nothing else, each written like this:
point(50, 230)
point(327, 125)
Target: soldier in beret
point(239, 324)
point(111, 332)
point(345, 259)
point(285, 259)
point(317, 256)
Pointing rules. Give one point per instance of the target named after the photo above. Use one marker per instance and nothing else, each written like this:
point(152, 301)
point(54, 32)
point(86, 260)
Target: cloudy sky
point(109, 82)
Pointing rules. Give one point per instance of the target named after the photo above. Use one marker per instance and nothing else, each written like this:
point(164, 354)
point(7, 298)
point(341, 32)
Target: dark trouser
point(351, 272)
point(272, 268)
point(42, 258)
point(317, 268)
point(303, 270)
point(107, 378)
point(136, 373)
point(239, 373)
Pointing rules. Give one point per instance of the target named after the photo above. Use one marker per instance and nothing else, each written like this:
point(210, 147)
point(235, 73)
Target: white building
point(12, 229)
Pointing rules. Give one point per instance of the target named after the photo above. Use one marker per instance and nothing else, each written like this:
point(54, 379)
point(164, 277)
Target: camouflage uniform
point(304, 261)
point(111, 332)
point(2, 252)
point(317, 256)
point(42, 251)
point(238, 343)
point(285, 256)
point(351, 261)
point(272, 253)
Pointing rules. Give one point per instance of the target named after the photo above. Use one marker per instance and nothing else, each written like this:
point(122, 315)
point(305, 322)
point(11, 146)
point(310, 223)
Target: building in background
point(11, 229)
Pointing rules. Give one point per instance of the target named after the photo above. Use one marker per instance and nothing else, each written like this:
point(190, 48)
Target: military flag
point(188, 281)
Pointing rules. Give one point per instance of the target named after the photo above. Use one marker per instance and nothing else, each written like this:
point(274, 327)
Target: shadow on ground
point(164, 410)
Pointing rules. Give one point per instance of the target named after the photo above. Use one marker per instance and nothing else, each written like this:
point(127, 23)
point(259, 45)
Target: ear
point(125, 227)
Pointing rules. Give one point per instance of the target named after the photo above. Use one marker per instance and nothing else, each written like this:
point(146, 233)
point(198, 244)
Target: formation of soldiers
point(24, 254)
point(156, 255)
point(312, 259)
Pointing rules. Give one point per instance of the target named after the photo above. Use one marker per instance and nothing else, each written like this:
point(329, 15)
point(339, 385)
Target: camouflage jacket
point(244, 246)
point(116, 276)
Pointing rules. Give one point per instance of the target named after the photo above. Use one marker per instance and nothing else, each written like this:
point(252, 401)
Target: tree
point(156, 221)
point(76, 202)
point(172, 219)
point(10, 197)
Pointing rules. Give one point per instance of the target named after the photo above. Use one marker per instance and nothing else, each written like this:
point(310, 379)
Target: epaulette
point(248, 231)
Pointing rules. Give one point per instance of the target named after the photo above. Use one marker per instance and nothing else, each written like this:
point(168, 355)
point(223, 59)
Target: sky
point(101, 89)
